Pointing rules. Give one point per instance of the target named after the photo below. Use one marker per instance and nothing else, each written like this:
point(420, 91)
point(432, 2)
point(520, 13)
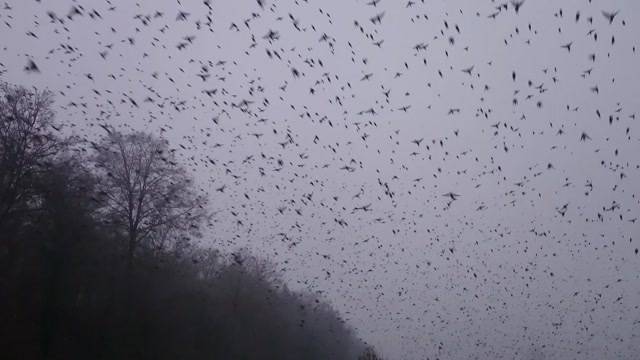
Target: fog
point(455, 179)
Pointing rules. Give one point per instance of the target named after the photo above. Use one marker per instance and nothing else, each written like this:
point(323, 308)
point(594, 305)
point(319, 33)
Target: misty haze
point(319, 179)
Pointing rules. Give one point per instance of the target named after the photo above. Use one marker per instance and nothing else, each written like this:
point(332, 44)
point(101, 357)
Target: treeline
point(97, 262)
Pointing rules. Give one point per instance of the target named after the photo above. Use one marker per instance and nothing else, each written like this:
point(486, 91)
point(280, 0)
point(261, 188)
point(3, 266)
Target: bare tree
point(145, 191)
point(26, 145)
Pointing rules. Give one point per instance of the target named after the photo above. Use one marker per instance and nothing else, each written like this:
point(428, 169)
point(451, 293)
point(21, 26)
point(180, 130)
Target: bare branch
point(144, 190)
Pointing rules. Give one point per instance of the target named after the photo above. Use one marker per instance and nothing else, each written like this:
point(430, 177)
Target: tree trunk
point(129, 321)
point(130, 252)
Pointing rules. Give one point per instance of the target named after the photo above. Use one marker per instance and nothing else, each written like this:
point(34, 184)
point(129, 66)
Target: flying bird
point(451, 195)
point(31, 67)
point(610, 15)
point(517, 4)
point(377, 18)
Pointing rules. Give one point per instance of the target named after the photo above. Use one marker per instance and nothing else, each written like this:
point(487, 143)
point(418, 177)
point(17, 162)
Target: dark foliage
point(66, 292)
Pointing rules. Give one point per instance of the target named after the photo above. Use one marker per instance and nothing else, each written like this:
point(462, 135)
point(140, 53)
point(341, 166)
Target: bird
point(567, 46)
point(31, 67)
point(377, 18)
point(451, 195)
point(182, 16)
point(517, 4)
point(584, 136)
point(610, 16)
point(300, 131)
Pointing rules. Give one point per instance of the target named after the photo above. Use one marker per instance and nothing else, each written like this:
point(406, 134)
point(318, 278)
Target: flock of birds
point(459, 178)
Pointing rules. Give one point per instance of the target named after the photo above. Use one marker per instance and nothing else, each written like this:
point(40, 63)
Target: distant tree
point(67, 292)
point(145, 192)
point(369, 353)
point(26, 145)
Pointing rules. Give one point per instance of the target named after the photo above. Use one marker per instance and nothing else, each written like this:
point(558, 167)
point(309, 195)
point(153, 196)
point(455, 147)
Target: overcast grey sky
point(537, 257)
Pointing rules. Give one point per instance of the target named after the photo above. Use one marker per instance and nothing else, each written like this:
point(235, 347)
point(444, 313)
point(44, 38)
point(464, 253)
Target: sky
point(458, 178)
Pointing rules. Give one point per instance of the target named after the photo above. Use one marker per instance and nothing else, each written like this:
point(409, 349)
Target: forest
point(99, 257)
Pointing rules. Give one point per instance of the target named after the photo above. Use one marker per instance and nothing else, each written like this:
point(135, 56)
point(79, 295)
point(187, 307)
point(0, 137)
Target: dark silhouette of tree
point(369, 353)
point(26, 146)
point(145, 191)
point(66, 290)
